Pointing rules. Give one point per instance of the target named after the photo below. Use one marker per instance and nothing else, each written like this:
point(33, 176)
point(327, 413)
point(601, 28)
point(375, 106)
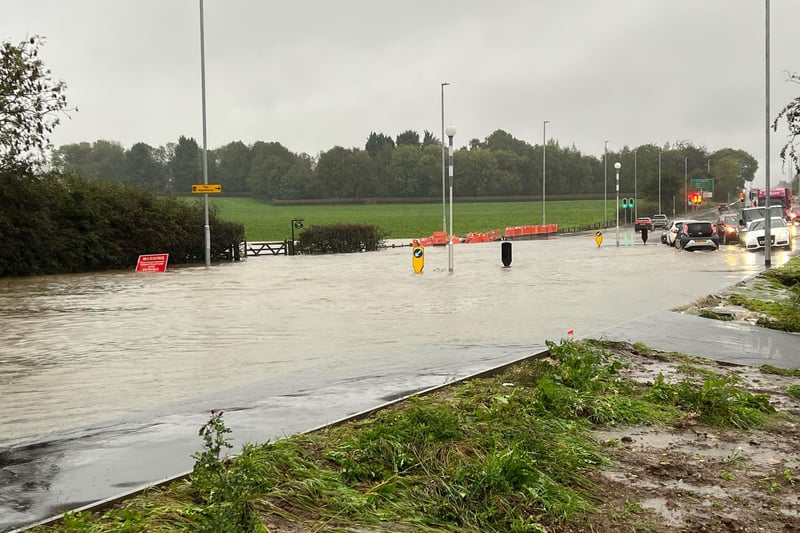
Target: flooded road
point(288, 343)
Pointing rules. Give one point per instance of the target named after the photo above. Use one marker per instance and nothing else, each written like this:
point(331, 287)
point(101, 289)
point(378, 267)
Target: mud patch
point(697, 478)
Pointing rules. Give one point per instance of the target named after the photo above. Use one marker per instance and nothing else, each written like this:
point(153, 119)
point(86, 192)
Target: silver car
point(660, 221)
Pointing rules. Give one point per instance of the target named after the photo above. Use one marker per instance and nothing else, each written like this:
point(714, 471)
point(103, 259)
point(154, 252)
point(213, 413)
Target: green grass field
point(264, 222)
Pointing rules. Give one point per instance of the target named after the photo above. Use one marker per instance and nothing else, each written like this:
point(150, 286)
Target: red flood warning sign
point(152, 263)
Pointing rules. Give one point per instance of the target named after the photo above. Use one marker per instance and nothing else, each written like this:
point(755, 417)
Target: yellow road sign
point(203, 188)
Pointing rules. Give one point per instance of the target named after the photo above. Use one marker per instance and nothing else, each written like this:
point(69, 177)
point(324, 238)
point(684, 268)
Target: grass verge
point(510, 453)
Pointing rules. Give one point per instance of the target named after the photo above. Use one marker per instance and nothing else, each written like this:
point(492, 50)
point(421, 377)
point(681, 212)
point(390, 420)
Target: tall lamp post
point(617, 166)
point(635, 199)
point(768, 217)
point(605, 186)
point(444, 215)
point(686, 183)
point(206, 225)
point(544, 167)
point(451, 131)
point(659, 181)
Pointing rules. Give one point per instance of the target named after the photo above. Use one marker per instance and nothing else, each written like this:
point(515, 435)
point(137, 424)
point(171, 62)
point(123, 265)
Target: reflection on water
point(81, 349)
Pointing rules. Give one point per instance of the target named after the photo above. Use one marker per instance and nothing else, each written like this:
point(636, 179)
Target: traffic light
point(697, 199)
point(624, 203)
point(630, 202)
point(741, 196)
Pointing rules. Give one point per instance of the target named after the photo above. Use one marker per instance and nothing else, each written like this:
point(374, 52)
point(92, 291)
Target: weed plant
point(509, 453)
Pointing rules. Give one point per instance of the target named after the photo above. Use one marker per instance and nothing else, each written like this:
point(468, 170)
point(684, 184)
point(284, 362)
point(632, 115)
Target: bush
point(58, 223)
point(340, 238)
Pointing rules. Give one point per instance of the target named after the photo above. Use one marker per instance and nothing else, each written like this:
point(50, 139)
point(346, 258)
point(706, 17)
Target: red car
point(728, 228)
point(643, 223)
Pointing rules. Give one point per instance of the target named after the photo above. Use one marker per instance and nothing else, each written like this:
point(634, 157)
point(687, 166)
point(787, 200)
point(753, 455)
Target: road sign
point(206, 188)
point(702, 184)
point(418, 259)
point(152, 263)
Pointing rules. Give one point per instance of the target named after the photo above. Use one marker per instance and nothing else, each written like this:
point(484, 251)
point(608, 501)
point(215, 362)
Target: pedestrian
point(644, 235)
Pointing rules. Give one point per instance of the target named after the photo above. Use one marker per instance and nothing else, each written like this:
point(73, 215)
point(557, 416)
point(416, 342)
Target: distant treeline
point(408, 166)
point(60, 223)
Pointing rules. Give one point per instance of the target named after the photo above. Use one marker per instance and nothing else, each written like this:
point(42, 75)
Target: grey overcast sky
point(317, 74)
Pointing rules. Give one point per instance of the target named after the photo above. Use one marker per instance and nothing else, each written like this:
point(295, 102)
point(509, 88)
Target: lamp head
point(450, 131)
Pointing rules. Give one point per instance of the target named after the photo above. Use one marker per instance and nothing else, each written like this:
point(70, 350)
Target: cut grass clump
point(717, 401)
point(793, 391)
point(513, 452)
point(769, 369)
point(706, 313)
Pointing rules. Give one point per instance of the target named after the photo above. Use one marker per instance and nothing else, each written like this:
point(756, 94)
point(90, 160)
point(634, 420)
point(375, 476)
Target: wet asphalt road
point(80, 466)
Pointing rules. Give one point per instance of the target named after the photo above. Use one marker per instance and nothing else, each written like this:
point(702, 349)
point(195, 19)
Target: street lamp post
point(605, 186)
point(659, 181)
point(617, 166)
point(686, 183)
point(544, 167)
point(768, 218)
point(444, 215)
point(451, 131)
point(206, 225)
point(635, 199)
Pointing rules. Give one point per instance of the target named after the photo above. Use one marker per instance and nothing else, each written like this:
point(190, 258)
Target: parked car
point(697, 235)
point(643, 223)
point(660, 221)
point(728, 228)
point(670, 233)
point(780, 235)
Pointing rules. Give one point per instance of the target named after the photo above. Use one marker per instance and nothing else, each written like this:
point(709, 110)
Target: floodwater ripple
point(78, 350)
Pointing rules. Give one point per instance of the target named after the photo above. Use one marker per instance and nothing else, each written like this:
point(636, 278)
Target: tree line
point(409, 166)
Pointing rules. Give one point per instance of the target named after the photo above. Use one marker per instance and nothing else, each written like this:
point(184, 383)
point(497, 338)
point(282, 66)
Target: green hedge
point(58, 223)
point(340, 238)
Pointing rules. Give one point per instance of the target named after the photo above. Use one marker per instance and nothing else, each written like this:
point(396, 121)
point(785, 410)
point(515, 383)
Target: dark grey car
point(697, 235)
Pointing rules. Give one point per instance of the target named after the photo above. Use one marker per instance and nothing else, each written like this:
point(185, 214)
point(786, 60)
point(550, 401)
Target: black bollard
point(506, 253)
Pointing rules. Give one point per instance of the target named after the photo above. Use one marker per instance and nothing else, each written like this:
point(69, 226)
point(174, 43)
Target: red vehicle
point(781, 196)
point(728, 228)
point(643, 223)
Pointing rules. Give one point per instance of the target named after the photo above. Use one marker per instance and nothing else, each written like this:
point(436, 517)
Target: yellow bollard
point(598, 238)
point(418, 259)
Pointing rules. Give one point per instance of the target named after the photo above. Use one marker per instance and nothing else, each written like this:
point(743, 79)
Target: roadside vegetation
point(772, 297)
point(55, 224)
point(523, 451)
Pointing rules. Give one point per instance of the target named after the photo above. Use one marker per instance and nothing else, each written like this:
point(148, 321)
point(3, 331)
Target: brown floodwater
point(83, 349)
